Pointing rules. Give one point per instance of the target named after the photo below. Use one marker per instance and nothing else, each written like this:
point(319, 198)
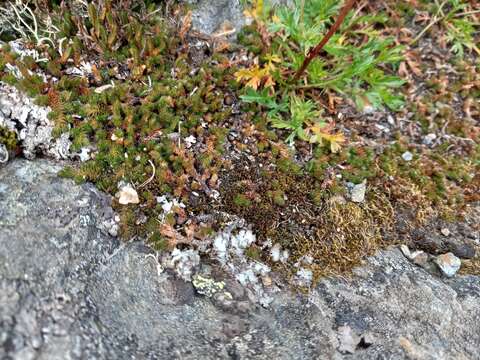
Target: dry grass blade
point(186, 25)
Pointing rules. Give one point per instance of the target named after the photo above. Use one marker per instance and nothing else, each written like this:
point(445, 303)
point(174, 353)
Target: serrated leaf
point(321, 135)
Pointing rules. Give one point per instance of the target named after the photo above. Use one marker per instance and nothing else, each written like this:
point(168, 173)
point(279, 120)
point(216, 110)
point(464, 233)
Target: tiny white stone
point(407, 156)
point(357, 192)
point(3, 154)
point(84, 154)
point(275, 252)
point(368, 109)
point(167, 207)
point(428, 139)
point(284, 256)
point(190, 140)
point(128, 195)
point(445, 232)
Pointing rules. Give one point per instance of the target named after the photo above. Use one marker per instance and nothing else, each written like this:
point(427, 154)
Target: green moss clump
point(8, 138)
point(242, 201)
point(158, 242)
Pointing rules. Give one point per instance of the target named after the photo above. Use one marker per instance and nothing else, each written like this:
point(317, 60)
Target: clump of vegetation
point(458, 21)
point(140, 95)
point(195, 131)
point(358, 63)
point(9, 139)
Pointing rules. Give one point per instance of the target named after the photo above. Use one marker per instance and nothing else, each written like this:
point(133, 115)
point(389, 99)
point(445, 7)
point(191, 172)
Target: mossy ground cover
point(228, 132)
point(9, 139)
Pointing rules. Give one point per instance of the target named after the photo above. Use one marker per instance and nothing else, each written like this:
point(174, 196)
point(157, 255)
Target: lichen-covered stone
point(29, 121)
point(207, 286)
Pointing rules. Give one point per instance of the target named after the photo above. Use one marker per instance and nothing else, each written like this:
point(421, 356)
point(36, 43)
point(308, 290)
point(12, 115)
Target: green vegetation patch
point(8, 138)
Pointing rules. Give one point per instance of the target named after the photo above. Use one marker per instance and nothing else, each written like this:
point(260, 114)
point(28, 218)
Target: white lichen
point(303, 277)
point(29, 121)
point(227, 243)
point(184, 263)
point(277, 254)
point(169, 205)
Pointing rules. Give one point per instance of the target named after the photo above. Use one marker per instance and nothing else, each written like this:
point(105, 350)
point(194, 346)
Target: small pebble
point(407, 156)
point(128, 195)
point(357, 192)
point(448, 264)
point(420, 258)
point(428, 139)
point(3, 154)
point(445, 232)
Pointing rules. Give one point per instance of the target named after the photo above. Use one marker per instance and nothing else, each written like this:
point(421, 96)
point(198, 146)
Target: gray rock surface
point(70, 291)
point(212, 16)
point(208, 16)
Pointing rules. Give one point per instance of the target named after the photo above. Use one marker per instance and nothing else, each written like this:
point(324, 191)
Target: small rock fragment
point(428, 139)
point(420, 258)
point(184, 262)
point(448, 264)
point(278, 254)
point(445, 232)
point(357, 191)
point(407, 156)
point(128, 195)
point(115, 138)
point(406, 251)
point(267, 281)
point(84, 154)
point(368, 109)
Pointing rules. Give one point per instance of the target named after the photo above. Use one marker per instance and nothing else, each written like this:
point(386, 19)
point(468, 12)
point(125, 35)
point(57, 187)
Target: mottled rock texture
point(19, 113)
point(216, 16)
point(70, 291)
